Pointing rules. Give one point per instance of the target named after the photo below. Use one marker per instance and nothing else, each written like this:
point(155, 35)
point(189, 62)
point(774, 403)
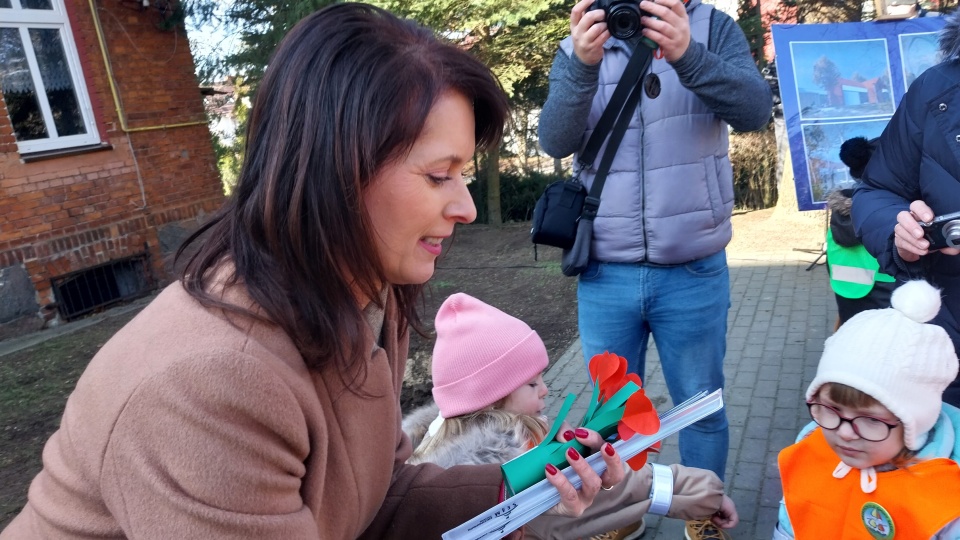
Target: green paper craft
point(527, 469)
point(594, 401)
point(561, 415)
point(604, 420)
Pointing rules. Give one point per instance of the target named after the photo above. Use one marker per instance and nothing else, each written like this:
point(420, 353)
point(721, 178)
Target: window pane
point(5, 4)
point(18, 89)
point(55, 74)
point(35, 4)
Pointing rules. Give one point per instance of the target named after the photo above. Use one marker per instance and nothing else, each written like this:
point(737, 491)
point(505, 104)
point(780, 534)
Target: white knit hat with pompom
point(893, 356)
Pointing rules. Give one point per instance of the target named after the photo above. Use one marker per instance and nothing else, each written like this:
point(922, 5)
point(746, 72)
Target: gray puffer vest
point(669, 195)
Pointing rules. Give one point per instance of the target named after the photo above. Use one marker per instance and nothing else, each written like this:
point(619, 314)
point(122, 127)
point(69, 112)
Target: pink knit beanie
point(481, 355)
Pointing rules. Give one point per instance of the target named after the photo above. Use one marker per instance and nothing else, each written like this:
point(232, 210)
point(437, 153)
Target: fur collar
point(840, 201)
point(950, 37)
point(482, 443)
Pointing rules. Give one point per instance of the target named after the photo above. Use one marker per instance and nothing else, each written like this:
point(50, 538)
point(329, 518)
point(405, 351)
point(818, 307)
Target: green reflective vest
point(853, 271)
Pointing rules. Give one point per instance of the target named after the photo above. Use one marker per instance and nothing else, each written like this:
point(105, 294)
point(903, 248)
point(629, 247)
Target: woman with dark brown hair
point(258, 396)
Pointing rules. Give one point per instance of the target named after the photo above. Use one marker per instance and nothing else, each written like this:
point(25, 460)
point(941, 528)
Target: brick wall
point(774, 12)
point(771, 12)
point(65, 214)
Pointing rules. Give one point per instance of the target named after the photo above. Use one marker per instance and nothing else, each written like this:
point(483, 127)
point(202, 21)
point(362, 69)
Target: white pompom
point(918, 300)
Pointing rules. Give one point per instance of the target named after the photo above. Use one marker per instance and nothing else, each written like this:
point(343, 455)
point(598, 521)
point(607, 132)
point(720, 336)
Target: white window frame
point(57, 19)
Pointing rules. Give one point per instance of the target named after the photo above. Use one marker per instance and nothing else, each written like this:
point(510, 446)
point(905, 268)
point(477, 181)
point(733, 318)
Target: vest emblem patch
point(877, 521)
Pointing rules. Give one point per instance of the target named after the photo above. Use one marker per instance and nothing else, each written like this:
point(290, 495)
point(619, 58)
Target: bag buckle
point(590, 207)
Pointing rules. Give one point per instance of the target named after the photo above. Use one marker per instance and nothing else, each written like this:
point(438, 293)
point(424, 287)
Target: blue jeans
point(685, 308)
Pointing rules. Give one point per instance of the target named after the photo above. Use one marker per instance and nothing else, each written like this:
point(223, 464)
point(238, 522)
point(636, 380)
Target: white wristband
point(661, 490)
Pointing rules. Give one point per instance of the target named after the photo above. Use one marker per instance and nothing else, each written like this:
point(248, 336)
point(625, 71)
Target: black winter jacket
point(918, 158)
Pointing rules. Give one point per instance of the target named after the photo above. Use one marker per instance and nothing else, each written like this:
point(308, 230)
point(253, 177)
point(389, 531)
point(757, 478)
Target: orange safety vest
point(911, 503)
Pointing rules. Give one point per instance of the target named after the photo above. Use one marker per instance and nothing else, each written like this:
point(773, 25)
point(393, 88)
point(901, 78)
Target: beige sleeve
point(211, 448)
point(697, 493)
point(623, 505)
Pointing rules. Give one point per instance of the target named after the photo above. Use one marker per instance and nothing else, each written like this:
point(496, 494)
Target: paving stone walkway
point(781, 313)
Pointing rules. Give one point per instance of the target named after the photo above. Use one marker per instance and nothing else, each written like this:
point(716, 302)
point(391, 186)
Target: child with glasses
point(880, 458)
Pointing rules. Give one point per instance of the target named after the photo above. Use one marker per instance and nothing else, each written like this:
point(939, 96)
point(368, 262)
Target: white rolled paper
point(518, 510)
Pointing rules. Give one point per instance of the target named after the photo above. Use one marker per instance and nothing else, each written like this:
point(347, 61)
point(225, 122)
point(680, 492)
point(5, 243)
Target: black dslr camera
point(623, 18)
point(943, 231)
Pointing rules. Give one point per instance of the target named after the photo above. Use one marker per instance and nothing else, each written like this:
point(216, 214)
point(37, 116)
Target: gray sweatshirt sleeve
point(563, 118)
point(725, 77)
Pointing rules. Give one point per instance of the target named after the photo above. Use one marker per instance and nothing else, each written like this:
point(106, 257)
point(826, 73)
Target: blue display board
point(844, 80)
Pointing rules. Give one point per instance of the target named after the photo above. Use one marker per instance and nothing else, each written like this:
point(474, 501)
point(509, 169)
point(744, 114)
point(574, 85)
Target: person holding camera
point(657, 262)
point(910, 186)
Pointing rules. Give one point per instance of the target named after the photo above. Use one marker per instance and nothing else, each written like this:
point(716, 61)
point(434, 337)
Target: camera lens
point(951, 233)
point(623, 21)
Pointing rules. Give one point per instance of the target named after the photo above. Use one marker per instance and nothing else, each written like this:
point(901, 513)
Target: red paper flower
point(638, 461)
point(639, 415)
point(610, 372)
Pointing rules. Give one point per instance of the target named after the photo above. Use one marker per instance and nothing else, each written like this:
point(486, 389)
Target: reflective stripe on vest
point(853, 271)
point(823, 507)
point(861, 276)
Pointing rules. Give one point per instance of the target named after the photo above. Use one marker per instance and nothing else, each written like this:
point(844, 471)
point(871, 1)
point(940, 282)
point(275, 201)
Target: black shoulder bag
point(564, 213)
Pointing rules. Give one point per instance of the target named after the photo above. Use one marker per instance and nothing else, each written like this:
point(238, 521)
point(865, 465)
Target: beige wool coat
point(187, 426)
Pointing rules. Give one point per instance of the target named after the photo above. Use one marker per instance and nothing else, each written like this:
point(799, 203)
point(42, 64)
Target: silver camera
point(943, 231)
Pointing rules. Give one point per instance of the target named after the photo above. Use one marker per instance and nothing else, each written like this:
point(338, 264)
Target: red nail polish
point(608, 448)
point(568, 435)
point(551, 470)
point(574, 455)
point(582, 433)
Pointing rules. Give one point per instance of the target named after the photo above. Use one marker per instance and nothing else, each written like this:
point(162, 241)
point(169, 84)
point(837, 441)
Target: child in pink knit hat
point(489, 393)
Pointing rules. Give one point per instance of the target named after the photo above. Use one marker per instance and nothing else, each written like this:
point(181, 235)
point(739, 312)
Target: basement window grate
point(85, 291)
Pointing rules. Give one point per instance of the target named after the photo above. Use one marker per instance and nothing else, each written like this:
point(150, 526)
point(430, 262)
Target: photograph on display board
point(822, 140)
point(919, 52)
point(842, 79)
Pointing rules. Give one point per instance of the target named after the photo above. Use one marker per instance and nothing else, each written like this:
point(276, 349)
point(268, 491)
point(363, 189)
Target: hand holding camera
point(623, 19)
point(663, 23)
point(668, 25)
point(919, 231)
point(588, 32)
point(942, 231)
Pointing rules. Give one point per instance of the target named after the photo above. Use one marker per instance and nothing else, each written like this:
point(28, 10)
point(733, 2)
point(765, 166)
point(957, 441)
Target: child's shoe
point(704, 530)
point(628, 532)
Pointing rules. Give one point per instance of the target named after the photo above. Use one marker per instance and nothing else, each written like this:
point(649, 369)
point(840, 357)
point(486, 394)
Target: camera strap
point(618, 111)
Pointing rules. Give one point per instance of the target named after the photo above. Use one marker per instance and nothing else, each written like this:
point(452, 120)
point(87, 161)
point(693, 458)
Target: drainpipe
point(113, 87)
point(120, 113)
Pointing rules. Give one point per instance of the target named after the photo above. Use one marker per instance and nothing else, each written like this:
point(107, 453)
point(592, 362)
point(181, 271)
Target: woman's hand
point(566, 432)
point(908, 235)
point(588, 31)
point(726, 517)
point(572, 501)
